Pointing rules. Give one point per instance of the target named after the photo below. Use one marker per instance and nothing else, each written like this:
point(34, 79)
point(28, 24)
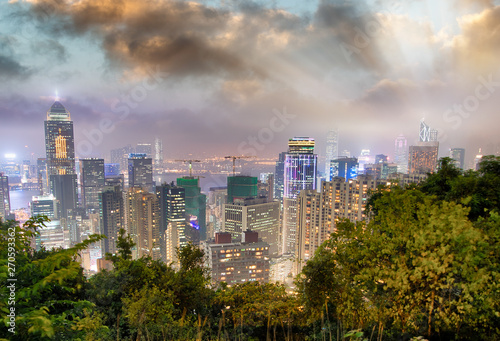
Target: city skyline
point(208, 78)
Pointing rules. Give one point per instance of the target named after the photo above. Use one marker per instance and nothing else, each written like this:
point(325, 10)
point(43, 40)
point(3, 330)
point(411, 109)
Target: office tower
point(458, 156)
point(423, 157)
point(426, 134)
point(241, 187)
point(332, 146)
point(44, 205)
point(144, 148)
point(477, 160)
point(257, 215)
point(318, 213)
point(4, 197)
point(111, 216)
point(381, 158)
point(196, 207)
point(92, 178)
point(142, 221)
point(299, 174)
point(140, 171)
point(64, 189)
point(236, 262)
point(401, 154)
point(120, 156)
point(60, 158)
point(158, 162)
point(279, 176)
point(172, 215)
point(344, 167)
point(364, 159)
point(59, 141)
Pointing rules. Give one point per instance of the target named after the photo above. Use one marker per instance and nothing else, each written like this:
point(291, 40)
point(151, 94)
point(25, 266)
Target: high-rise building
point(236, 262)
point(344, 167)
point(401, 154)
point(158, 161)
point(332, 146)
point(257, 215)
point(241, 187)
point(300, 169)
point(142, 221)
point(43, 179)
point(172, 214)
point(423, 158)
point(92, 178)
point(140, 171)
point(426, 134)
point(60, 157)
point(112, 216)
point(318, 213)
point(196, 207)
point(458, 156)
point(4, 197)
point(59, 141)
point(279, 177)
point(217, 198)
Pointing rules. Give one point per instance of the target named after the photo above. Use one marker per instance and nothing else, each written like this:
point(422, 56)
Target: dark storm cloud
point(189, 39)
point(10, 68)
point(51, 49)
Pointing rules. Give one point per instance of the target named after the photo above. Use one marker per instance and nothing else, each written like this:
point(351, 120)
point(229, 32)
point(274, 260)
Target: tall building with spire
point(401, 154)
point(60, 157)
point(59, 141)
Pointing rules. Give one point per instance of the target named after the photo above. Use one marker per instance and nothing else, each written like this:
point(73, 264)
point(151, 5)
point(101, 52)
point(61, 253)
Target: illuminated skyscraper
point(401, 154)
point(60, 157)
point(300, 170)
point(344, 167)
point(172, 204)
point(278, 177)
point(423, 157)
point(59, 141)
point(332, 153)
point(426, 134)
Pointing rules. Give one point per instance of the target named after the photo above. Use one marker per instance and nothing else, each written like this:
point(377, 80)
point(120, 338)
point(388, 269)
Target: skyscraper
point(144, 148)
point(423, 157)
point(4, 197)
point(172, 214)
point(60, 157)
point(158, 155)
point(140, 171)
point(458, 156)
point(279, 176)
point(300, 168)
point(332, 146)
point(401, 154)
point(112, 216)
point(426, 134)
point(59, 141)
point(92, 178)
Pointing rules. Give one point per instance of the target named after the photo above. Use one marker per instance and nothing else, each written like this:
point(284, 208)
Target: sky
point(242, 77)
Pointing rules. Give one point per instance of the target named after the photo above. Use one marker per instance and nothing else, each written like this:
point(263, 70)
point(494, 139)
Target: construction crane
point(190, 165)
point(234, 160)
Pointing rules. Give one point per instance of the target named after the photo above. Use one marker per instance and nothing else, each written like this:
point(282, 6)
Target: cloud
point(51, 49)
point(476, 50)
point(10, 68)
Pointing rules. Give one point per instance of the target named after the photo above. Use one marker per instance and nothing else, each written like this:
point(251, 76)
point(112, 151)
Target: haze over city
point(206, 77)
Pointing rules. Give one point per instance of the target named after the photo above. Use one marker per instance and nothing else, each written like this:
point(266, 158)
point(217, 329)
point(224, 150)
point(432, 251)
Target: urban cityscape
point(282, 171)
